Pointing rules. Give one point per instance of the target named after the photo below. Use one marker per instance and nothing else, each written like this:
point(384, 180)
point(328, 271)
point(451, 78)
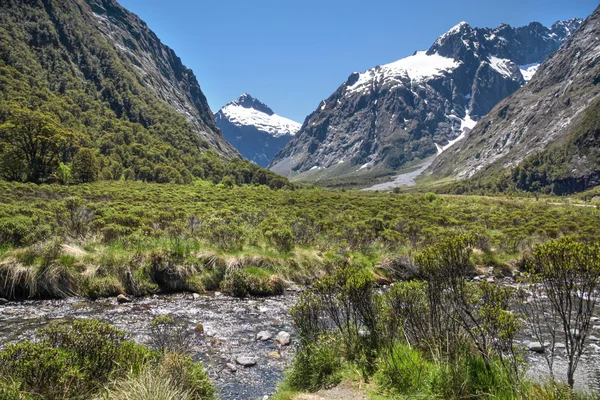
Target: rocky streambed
point(230, 328)
point(230, 334)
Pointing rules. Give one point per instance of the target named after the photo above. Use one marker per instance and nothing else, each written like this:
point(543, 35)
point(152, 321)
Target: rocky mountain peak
point(247, 101)
point(548, 129)
point(409, 110)
point(254, 129)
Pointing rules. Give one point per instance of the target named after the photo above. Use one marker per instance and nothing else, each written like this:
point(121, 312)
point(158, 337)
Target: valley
point(431, 230)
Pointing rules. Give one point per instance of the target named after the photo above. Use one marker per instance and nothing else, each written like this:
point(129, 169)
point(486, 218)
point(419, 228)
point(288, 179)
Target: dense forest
point(72, 111)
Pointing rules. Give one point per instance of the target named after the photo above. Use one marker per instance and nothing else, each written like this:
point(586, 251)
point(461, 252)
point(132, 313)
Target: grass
point(141, 238)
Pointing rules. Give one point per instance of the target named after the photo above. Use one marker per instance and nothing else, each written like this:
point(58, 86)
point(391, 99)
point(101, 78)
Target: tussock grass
point(151, 383)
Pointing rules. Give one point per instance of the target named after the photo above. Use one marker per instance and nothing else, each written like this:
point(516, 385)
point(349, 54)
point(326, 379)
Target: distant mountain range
point(254, 129)
point(395, 116)
point(546, 136)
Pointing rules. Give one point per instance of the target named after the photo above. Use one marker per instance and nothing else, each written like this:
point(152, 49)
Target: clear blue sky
point(291, 54)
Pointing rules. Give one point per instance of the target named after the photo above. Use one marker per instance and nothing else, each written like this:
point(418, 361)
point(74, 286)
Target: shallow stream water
point(230, 328)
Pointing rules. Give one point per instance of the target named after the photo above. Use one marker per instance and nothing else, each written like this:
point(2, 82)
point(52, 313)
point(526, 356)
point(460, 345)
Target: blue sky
point(291, 54)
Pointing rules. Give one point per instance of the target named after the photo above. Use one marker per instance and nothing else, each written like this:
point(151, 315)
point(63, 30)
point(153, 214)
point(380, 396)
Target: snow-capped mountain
point(254, 129)
point(399, 113)
point(548, 130)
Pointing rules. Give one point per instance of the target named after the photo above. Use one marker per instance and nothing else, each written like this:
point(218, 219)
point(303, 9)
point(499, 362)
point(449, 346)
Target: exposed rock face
point(416, 107)
point(156, 67)
point(254, 129)
point(558, 110)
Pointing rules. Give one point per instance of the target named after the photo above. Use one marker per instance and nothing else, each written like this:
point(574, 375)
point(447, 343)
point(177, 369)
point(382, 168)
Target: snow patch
point(274, 125)
point(416, 68)
point(466, 125)
point(502, 65)
point(529, 70)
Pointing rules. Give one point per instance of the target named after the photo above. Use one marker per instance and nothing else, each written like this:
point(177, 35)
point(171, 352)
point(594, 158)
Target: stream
point(230, 328)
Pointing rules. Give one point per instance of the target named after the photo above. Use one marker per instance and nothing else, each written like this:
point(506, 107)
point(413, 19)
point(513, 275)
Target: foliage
point(567, 274)
point(67, 95)
point(170, 336)
point(316, 365)
point(70, 361)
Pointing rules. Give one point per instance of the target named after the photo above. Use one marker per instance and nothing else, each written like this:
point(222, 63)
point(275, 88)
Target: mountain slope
point(394, 115)
point(550, 128)
point(254, 129)
point(95, 70)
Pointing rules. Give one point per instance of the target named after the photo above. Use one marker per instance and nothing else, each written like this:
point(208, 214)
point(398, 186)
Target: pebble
point(536, 347)
point(246, 361)
point(283, 338)
point(122, 299)
point(231, 367)
point(263, 336)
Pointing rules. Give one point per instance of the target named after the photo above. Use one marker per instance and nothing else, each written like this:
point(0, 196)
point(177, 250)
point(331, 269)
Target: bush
point(150, 384)
point(189, 375)
point(71, 360)
point(170, 336)
point(235, 284)
point(403, 370)
point(316, 365)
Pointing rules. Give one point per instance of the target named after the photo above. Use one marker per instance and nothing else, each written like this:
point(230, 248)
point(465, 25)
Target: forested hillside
point(77, 107)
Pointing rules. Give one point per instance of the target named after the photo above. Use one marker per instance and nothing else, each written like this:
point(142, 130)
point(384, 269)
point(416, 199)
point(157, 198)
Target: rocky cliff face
point(414, 108)
point(156, 67)
point(254, 129)
point(555, 117)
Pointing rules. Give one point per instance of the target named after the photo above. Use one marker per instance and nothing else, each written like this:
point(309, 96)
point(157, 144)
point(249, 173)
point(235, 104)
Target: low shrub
point(316, 365)
point(70, 360)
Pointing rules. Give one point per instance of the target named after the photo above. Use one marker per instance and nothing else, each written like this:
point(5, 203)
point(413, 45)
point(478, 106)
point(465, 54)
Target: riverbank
point(229, 326)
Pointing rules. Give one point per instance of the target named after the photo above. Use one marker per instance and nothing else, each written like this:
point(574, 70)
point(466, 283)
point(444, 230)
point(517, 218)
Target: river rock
point(122, 299)
point(263, 336)
point(593, 338)
point(283, 338)
point(246, 361)
point(560, 346)
point(536, 347)
point(3, 301)
point(231, 367)
point(595, 347)
point(199, 329)
point(195, 296)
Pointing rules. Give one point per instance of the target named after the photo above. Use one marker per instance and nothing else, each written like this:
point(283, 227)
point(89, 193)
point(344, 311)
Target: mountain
point(546, 136)
point(396, 115)
point(97, 74)
point(254, 129)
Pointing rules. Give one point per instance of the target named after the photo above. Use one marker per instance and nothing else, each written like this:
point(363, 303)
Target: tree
point(564, 285)
point(85, 166)
point(37, 138)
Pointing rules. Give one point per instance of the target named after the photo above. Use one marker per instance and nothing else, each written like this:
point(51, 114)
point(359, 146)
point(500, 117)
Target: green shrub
point(189, 375)
point(316, 365)
point(235, 284)
point(403, 370)
point(71, 360)
point(152, 383)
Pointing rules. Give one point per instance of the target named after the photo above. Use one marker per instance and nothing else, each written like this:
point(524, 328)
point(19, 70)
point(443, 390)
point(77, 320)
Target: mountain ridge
point(546, 133)
point(398, 113)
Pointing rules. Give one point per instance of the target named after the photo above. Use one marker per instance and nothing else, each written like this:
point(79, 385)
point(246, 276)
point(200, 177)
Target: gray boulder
point(122, 299)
